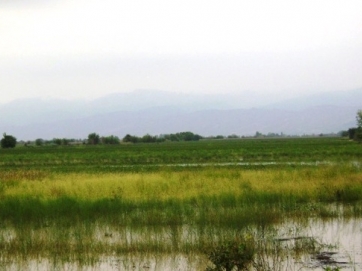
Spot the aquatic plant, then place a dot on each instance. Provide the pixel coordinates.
(232, 255)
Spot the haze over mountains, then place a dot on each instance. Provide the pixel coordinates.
(160, 112)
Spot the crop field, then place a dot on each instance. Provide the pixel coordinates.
(130, 157)
(94, 206)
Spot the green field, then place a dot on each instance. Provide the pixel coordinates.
(80, 203)
(130, 157)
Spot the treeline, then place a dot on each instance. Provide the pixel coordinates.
(96, 139)
(93, 139)
(183, 136)
(9, 141)
(54, 142)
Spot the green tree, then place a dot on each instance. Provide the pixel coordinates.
(187, 136)
(357, 132)
(352, 133)
(65, 141)
(233, 136)
(114, 140)
(39, 142)
(94, 139)
(359, 119)
(343, 133)
(8, 141)
(148, 138)
(57, 141)
(129, 138)
(174, 137)
(258, 134)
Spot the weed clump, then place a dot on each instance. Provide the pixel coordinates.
(233, 255)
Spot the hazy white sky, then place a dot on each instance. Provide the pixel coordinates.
(88, 48)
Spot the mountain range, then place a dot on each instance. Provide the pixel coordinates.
(160, 112)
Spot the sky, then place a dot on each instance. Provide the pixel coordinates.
(84, 49)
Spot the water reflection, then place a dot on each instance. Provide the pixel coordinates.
(345, 239)
(315, 245)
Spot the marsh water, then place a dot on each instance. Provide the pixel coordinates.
(314, 245)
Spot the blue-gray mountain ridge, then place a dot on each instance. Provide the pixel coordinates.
(160, 112)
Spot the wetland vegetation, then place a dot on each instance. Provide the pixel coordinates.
(179, 205)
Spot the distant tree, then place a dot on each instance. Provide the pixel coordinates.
(93, 139)
(110, 140)
(39, 142)
(8, 141)
(258, 134)
(57, 141)
(197, 137)
(187, 136)
(65, 141)
(352, 132)
(174, 137)
(273, 135)
(160, 139)
(184, 136)
(129, 138)
(359, 119)
(343, 133)
(356, 133)
(233, 136)
(148, 138)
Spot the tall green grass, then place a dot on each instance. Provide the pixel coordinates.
(209, 196)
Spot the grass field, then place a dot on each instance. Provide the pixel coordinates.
(214, 191)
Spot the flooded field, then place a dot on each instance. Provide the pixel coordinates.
(313, 245)
(214, 205)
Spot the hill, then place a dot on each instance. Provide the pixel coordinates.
(158, 112)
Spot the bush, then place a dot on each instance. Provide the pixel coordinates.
(8, 141)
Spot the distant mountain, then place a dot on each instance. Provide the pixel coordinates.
(38, 110)
(158, 112)
(337, 98)
(144, 99)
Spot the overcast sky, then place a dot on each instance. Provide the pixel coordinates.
(89, 48)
